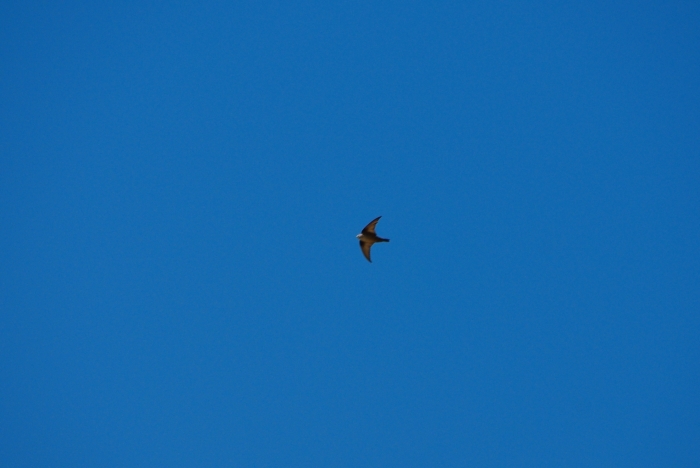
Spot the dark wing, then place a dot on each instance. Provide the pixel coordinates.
(365, 246)
(369, 229)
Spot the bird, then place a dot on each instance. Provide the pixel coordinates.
(368, 237)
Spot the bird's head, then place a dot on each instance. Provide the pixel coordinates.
(358, 236)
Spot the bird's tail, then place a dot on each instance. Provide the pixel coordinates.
(379, 239)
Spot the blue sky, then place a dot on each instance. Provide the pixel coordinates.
(180, 190)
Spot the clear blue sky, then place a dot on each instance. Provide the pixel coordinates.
(181, 186)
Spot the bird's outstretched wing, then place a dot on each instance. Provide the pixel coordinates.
(369, 229)
(365, 246)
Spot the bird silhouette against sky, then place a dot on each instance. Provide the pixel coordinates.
(368, 237)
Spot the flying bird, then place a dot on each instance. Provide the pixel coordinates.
(368, 237)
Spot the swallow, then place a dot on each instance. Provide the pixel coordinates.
(368, 237)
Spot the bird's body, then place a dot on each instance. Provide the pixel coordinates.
(368, 238)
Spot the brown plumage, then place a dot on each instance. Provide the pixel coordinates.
(369, 237)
